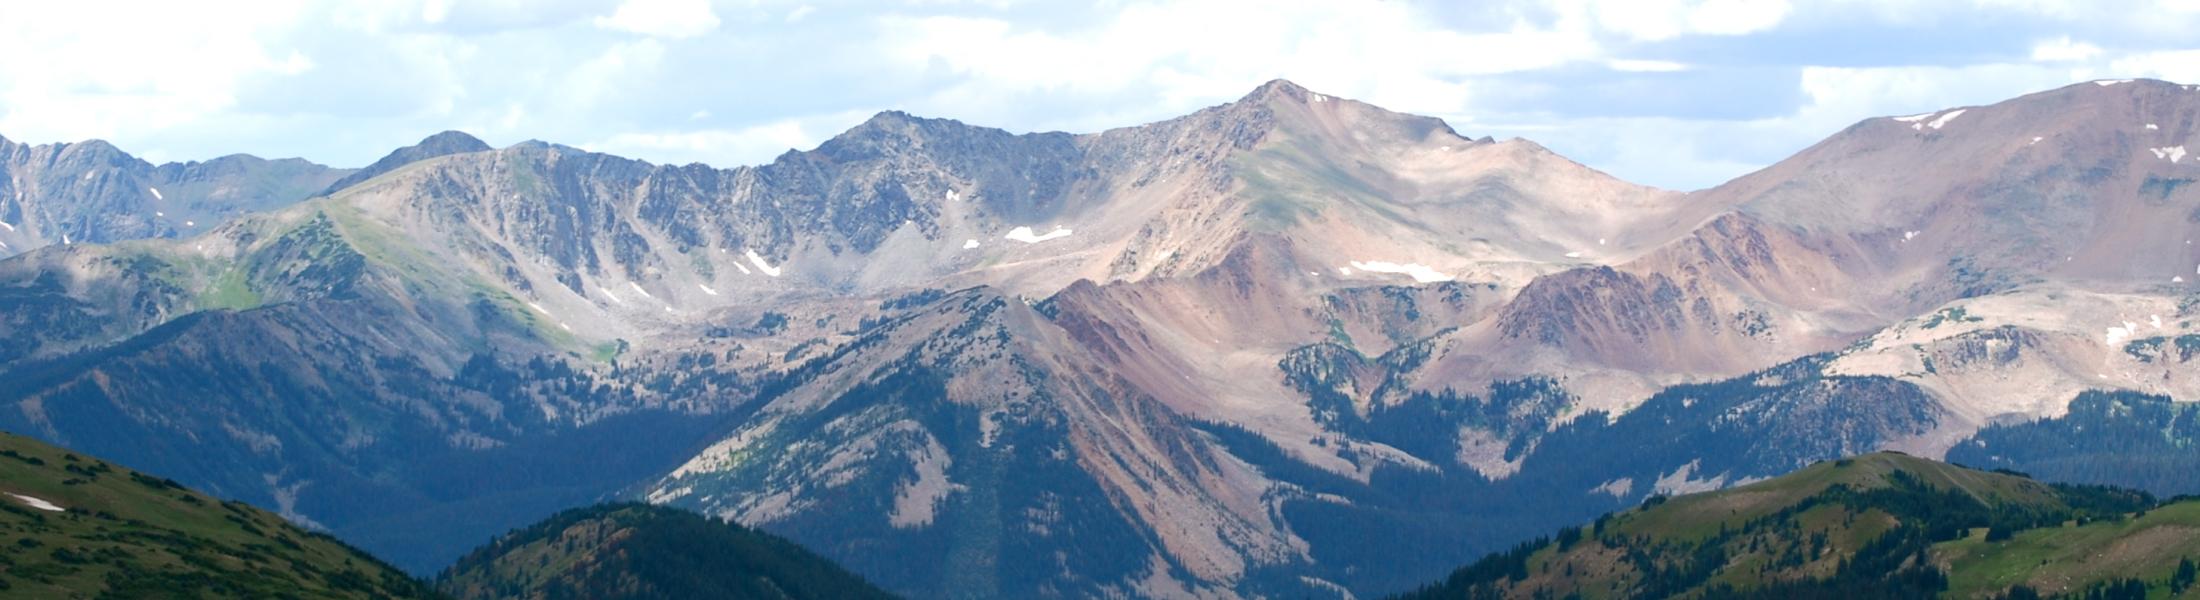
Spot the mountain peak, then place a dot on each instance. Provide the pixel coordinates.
(455, 141)
(1280, 90)
(441, 144)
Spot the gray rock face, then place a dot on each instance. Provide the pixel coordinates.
(93, 193)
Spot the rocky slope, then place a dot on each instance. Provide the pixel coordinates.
(93, 193)
(1211, 356)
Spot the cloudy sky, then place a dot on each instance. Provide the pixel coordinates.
(1676, 93)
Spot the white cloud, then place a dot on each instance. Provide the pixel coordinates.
(1645, 66)
(1655, 20)
(152, 66)
(728, 147)
(662, 18)
(2063, 49)
(2181, 66)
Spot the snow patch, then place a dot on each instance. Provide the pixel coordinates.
(1024, 234)
(2110, 82)
(744, 268)
(2171, 153)
(1944, 119)
(1419, 273)
(156, 193)
(537, 307)
(638, 289)
(1914, 118)
(1910, 235)
(5, 225)
(2117, 335)
(37, 503)
(2035, 140)
(969, 244)
(1683, 481)
(767, 268)
(1600, 241)
(607, 293)
(707, 290)
(2153, 127)
(953, 195)
(2177, 279)
(1573, 255)
(1345, 271)
(1617, 488)
(2155, 320)
(190, 224)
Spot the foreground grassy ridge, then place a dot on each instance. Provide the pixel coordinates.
(1881, 525)
(641, 551)
(124, 534)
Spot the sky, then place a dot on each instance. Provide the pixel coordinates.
(1681, 94)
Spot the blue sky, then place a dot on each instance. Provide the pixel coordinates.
(1676, 93)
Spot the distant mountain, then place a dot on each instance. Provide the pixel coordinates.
(1875, 526)
(621, 551)
(442, 144)
(94, 193)
(1290, 345)
(80, 527)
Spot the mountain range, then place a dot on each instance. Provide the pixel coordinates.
(1292, 345)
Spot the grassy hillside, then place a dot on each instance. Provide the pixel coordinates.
(1880, 525)
(73, 526)
(641, 551)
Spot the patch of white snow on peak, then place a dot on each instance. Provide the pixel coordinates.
(707, 290)
(638, 289)
(969, 244)
(1600, 241)
(190, 223)
(2117, 335)
(1573, 255)
(2153, 127)
(156, 193)
(1345, 271)
(5, 225)
(1025, 235)
(1319, 98)
(2177, 279)
(1944, 119)
(2171, 153)
(1417, 271)
(607, 293)
(2155, 320)
(537, 307)
(2035, 140)
(953, 195)
(1914, 118)
(1617, 488)
(65, 239)
(767, 268)
(37, 503)
(744, 268)
(2110, 82)
(159, 214)
(1910, 235)
(88, 175)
